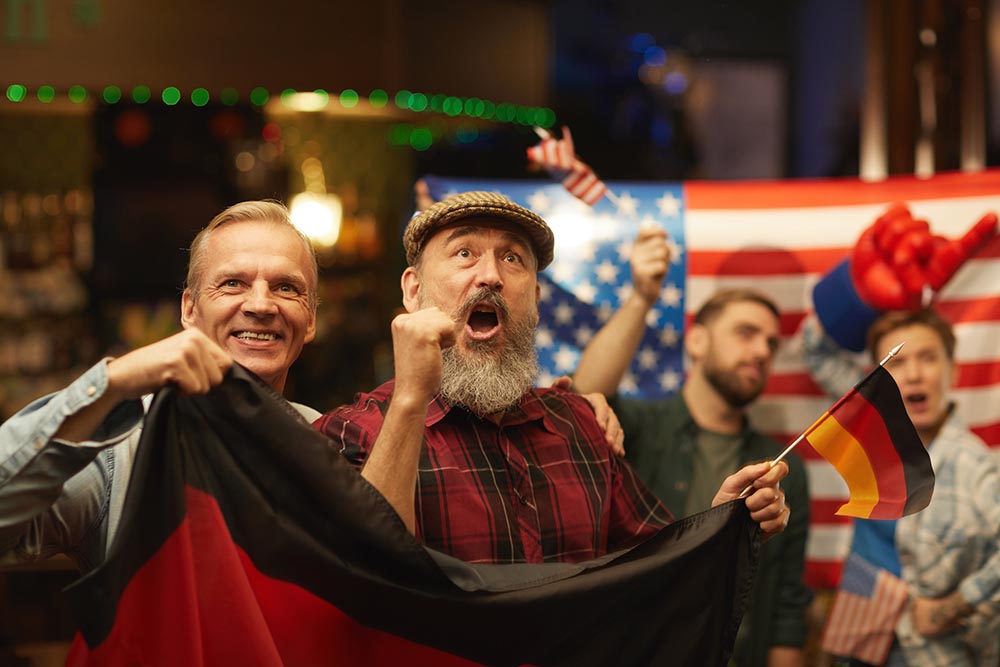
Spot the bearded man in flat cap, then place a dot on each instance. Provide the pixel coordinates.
(477, 462)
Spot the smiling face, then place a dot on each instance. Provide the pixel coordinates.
(253, 297)
(483, 274)
(924, 373)
(734, 350)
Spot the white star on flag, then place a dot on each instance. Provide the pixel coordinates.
(623, 292)
(604, 312)
(627, 205)
(669, 205)
(670, 380)
(607, 272)
(544, 290)
(676, 251)
(671, 296)
(539, 202)
(652, 317)
(543, 337)
(628, 384)
(563, 313)
(648, 358)
(585, 292)
(668, 335)
(545, 379)
(624, 251)
(565, 359)
(649, 221)
(583, 335)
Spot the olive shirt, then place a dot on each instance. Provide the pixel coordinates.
(660, 437)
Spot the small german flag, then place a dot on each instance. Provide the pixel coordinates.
(868, 437)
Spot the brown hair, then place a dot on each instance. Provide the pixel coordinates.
(718, 302)
(892, 320)
(267, 210)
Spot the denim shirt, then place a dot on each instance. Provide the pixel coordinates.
(62, 497)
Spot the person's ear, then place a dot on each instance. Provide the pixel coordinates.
(410, 283)
(187, 309)
(696, 341)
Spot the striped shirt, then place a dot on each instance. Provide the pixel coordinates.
(539, 485)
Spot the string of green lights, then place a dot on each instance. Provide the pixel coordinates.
(449, 105)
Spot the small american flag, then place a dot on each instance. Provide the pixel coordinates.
(868, 604)
(558, 157)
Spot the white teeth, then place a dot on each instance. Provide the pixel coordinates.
(250, 335)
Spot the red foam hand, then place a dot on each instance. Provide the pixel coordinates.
(948, 256)
(897, 257)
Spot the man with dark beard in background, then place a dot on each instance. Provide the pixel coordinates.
(477, 463)
(683, 446)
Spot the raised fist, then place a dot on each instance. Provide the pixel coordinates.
(898, 257)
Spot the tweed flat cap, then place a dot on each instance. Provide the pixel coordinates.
(480, 205)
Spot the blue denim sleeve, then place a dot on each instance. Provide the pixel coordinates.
(34, 466)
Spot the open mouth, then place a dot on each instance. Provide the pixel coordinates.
(483, 321)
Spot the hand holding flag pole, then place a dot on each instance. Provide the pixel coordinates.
(871, 442)
(558, 157)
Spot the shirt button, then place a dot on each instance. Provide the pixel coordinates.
(91, 391)
(38, 443)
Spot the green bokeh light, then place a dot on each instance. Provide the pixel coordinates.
(259, 96)
(16, 92)
(77, 94)
(418, 102)
(200, 97)
(548, 117)
(286, 96)
(170, 96)
(349, 98)
(403, 99)
(488, 110)
(141, 94)
(112, 94)
(229, 96)
(46, 94)
(452, 106)
(421, 139)
(437, 103)
(378, 98)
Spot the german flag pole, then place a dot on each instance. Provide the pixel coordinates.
(871, 442)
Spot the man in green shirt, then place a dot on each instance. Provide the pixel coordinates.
(682, 446)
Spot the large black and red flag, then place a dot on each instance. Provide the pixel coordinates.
(248, 540)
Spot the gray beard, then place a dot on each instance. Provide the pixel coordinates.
(491, 377)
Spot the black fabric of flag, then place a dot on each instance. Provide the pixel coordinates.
(247, 539)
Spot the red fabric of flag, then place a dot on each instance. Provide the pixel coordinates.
(871, 442)
(247, 539)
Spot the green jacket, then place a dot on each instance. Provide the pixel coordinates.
(659, 439)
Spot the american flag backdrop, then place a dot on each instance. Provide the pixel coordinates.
(779, 237)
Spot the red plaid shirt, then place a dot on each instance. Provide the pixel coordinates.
(541, 485)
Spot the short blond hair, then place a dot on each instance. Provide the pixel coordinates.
(266, 210)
